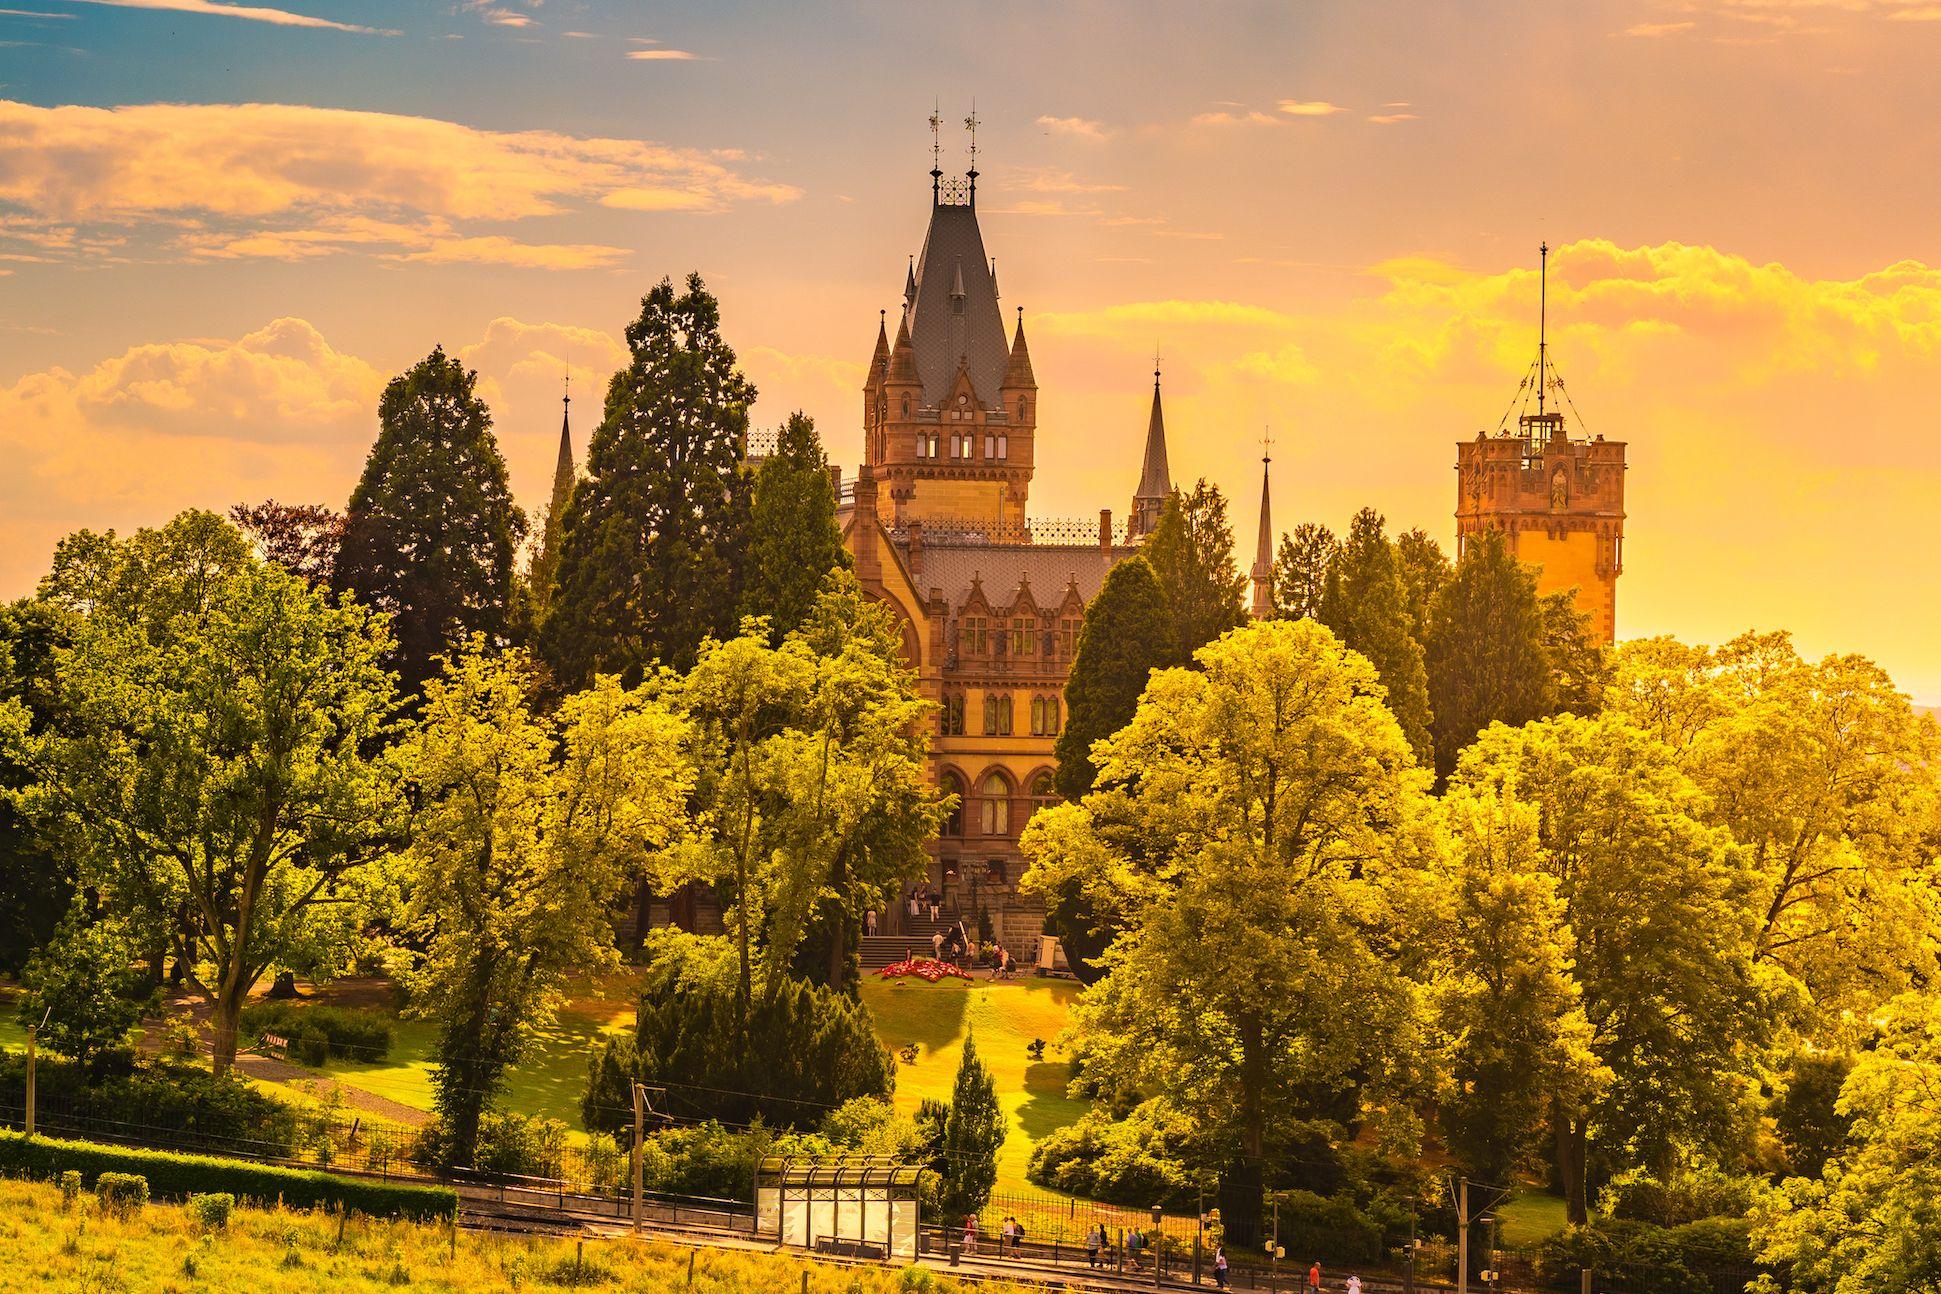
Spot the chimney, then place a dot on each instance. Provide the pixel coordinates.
(915, 555)
(1105, 529)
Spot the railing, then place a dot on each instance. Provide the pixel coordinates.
(1050, 532)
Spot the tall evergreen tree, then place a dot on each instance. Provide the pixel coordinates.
(973, 1132)
(651, 560)
(1191, 551)
(431, 528)
(1424, 571)
(1486, 658)
(1126, 635)
(793, 539)
(1366, 604)
(1301, 570)
(1580, 665)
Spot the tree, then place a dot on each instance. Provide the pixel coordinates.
(1191, 551)
(1424, 571)
(1659, 942)
(1257, 832)
(793, 539)
(1827, 776)
(431, 529)
(1126, 635)
(302, 538)
(211, 766)
(84, 984)
(651, 561)
(522, 842)
(37, 882)
(1485, 656)
(1580, 665)
(1301, 570)
(1868, 1221)
(1365, 602)
(973, 1133)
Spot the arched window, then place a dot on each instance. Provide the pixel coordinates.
(906, 408)
(1004, 716)
(996, 795)
(1037, 716)
(990, 714)
(1043, 791)
(954, 785)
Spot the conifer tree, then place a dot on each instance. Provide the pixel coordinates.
(431, 528)
(793, 539)
(1366, 604)
(1424, 571)
(1126, 635)
(1301, 570)
(1191, 551)
(1486, 657)
(973, 1132)
(651, 560)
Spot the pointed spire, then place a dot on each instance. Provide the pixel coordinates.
(1156, 479)
(994, 291)
(1263, 572)
(957, 279)
(1018, 374)
(903, 357)
(547, 559)
(879, 362)
(910, 284)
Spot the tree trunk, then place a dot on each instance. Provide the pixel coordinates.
(226, 1020)
(284, 987)
(1242, 1188)
(1571, 1134)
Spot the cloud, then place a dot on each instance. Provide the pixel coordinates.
(1654, 30)
(1394, 118)
(1074, 127)
(662, 55)
(252, 13)
(1047, 180)
(507, 18)
(34, 13)
(1310, 108)
(305, 180)
(1235, 117)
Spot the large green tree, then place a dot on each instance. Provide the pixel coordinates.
(1126, 635)
(37, 881)
(1660, 937)
(793, 539)
(526, 832)
(1301, 570)
(431, 529)
(211, 766)
(1485, 654)
(1365, 601)
(1191, 551)
(651, 560)
(973, 1134)
(1257, 832)
(1424, 571)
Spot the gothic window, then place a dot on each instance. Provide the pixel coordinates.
(990, 714)
(951, 784)
(1037, 716)
(1068, 637)
(1003, 444)
(1043, 791)
(1004, 716)
(906, 408)
(974, 635)
(990, 446)
(1020, 635)
(996, 805)
(950, 717)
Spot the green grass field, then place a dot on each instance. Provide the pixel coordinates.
(1531, 1216)
(1004, 1018)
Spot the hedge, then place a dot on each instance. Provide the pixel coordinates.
(177, 1176)
(344, 1032)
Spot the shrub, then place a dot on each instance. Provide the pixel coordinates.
(1641, 1258)
(348, 1034)
(188, 1102)
(211, 1212)
(122, 1195)
(1687, 1196)
(1138, 1160)
(1332, 1230)
(311, 1047)
(70, 1188)
(511, 1144)
(177, 1176)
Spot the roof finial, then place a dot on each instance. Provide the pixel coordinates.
(936, 150)
(970, 124)
(1543, 312)
(1155, 368)
(567, 396)
(1267, 444)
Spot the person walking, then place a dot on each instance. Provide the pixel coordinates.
(869, 922)
(970, 1233)
(1135, 1243)
(937, 944)
(1354, 1285)
(936, 901)
(1093, 1239)
(1220, 1267)
(1314, 1277)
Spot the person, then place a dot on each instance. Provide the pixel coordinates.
(913, 903)
(1134, 1244)
(1017, 1238)
(970, 1233)
(937, 944)
(1093, 1239)
(869, 922)
(936, 901)
(1220, 1267)
(1314, 1275)
(1354, 1285)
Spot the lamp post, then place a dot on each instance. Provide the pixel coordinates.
(1157, 1214)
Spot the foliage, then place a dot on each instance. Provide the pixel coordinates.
(650, 563)
(548, 829)
(1125, 636)
(1301, 569)
(122, 1195)
(973, 1131)
(212, 771)
(431, 529)
(348, 1032)
(1365, 602)
(793, 539)
(211, 1211)
(1315, 1228)
(1191, 552)
(1145, 1158)
(1659, 935)
(84, 984)
(1689, 1194)
(1869, 1221)
(1644, 1258)
(1806, 1112)
(37, 881)
(1580, 665)
(186, 1101)
(1424, 571)
(1484, 653)
(1257, 832)
(808, 1049)
(813, 800)
(177, 1176)
(507, 1142)
(302, 538)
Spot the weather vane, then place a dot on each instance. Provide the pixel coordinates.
(970, 124)
(1267, 444)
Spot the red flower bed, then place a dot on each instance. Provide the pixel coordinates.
(924, 968)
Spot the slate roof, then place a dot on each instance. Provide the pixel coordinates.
(953, 260)
(999, 567)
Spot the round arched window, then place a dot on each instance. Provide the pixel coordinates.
(996, 795)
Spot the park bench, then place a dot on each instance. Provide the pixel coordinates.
(276, 1044)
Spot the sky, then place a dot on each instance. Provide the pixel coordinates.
(224, 226)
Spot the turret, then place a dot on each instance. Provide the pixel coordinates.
(1263, 572)
(1155, 475)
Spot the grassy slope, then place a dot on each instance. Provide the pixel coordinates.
(270, 1251)
(1531, 1216)
(1004, 1018)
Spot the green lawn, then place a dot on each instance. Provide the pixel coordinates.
(1004, 1018)
(1531, 1216)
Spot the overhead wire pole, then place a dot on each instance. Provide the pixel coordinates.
(640, 1128)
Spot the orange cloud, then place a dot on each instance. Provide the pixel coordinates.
(251, 13)
(1074, 127)
(1310, 108)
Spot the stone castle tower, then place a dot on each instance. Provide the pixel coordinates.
(1559, 499)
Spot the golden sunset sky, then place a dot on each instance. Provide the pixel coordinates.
(224, 226)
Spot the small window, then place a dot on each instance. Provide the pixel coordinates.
(990, 714)
(1004, 717)
(1020, 636)
(1003, 446)
(906, 407)
(996, 797)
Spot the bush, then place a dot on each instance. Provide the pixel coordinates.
(211, 1212)
(1139, 1160)
(311, 1047)
(177, 1176)
(513, 1145)
(1691, 1194)
(70, 1188)
(186, 1101)
(1641, 1258)
(347, 1033)
(1333, 1231)
(122, 1195)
